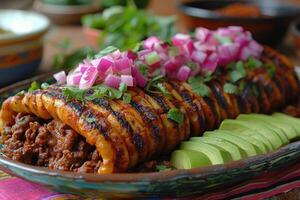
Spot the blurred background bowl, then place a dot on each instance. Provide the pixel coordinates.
(268, 28)
(21, 44)
(295, 29)
(66, 14)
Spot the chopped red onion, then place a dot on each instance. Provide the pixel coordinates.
(150, 42)
(198, 56)
(180, 39)
(60, 77)
(74, 79)
(112, 80)
(201, 34)
(183, 73)
(127, 79)
(88, 78)
(103, 65)
(139, 78)
(122, 66)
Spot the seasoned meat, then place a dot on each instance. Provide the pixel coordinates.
(49, 144)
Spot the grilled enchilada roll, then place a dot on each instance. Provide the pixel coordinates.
(121, 134)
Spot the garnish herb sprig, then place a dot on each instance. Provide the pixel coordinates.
(99, 91)
(155, 85)
(176, 115)
(199, 86)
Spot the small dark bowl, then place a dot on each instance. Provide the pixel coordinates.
(270, 28)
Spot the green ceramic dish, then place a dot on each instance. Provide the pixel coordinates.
(174, 183)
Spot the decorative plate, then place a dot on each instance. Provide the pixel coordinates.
(173, 183)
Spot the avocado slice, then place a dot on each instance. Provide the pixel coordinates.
(273, 137)
(261, 124)
(289, 131)
(289, 120)
(258, 145)
(258, 136)
(236, 152)
(187, 159)
(248, 148)
(215, 155)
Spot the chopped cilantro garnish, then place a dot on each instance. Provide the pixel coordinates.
(162, 168)
(241, 86)
(238, 72)
(235, 76)
(192, 65)
(223, 39)
(162, 89)
(176, 115)
(105, 51)
(230, 88)
(152, 58)
(270, 68)
(123, 87)
(143, 68)
(114, 94)
(155, 85)
(44, 85)
(253, 63)
(34, 86)
(198, 86)
(74, 93)
(173, 51)
(126, 97)
(99, 91)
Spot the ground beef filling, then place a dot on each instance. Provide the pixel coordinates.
(49, 144)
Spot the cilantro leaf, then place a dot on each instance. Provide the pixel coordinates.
(44, 85)
(143, 68)
(156, 84)
(270, 68)
(198, 86)
(34, 86)
(98, 92)
(240, 68)
(173, 51)
(230, 88)
(235, 76)
(162, 168)
(253, 63)
(192, 65)
(123, 87)
(105, 51)
(126, 97)
(223, 39)
(176, 115)
(114, 94)
(162, 89)
(74, 93)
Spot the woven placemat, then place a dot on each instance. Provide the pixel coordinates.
(3, 175)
